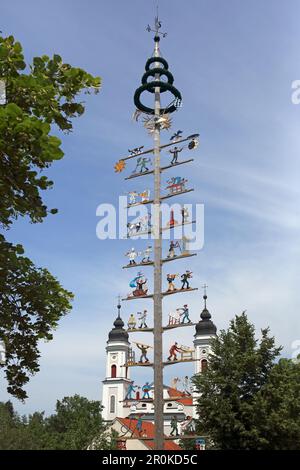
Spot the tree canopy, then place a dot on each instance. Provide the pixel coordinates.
(75, 425)
(247, 400)
(39, 97)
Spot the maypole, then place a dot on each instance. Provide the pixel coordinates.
(155, 119)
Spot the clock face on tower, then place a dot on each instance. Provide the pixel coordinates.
(113, 357)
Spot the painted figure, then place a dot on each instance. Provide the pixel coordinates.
(132, 255)
(173, 350)
(133, 229)
(132, 197)
(185, 279)
(139, 283)
(175, 153)
(138, 198)
(130, 391)
(143, 348)
(172, 222)
(176, 184)
(176, 136)
(145, 195)
(185, 215)
(171, 278)
(139, 424)
(142, 318)
(185, 314)
(141, 165)
(174, 317)
(147, 254)
(172, 248)
(186, 385)
(131, 322)
(174, 426)
(146, 389)
(185, 245)
(174, 382)
(136, 151)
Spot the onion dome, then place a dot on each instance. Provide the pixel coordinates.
(118, 333)
(205, 326)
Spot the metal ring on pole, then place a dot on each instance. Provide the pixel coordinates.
(159, 71)
(152, 60)
(150, 87)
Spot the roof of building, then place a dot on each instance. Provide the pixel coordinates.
(118, 333)
(184, 399)
(205, 326)
(147, 431)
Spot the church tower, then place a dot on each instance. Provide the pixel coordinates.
(117, 376)
(205, 331)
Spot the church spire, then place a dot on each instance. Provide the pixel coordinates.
(118, 333)
(205, 326)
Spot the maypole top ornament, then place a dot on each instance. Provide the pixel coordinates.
(160, 68)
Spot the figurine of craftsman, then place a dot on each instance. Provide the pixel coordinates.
(131, 322)
(141, 164)
(186, 385)
(170, 279)
(146, 389)
(175, 153)
(185, 279)
(142, 318)
(147, 254)
(132, 255)
(174, 426)
(172, 247)
(173, 350)
(185, 314)
(143, 348)
(132, 197)
(185, 215)
(139, 424)
(130, 391)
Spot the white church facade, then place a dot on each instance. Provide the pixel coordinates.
(180, 404)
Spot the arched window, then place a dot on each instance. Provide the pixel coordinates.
(204, 365)
(113, 371)
(112, 404)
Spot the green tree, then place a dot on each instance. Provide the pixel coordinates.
(239, 370)
(40, 96)
(76, 425)
(277, 407)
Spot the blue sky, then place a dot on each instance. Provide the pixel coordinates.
(234, 63)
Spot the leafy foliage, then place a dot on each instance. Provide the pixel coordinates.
(39, 96)
(44, 96)
(76, 425)
(31, 302)
(247, 401)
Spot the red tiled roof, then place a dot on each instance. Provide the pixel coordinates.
(147, 431)
(184, 398)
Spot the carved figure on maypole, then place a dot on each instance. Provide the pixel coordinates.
(173, 350)
(174, 152)
(139, 282)
(142, 319)
(146, 389)
(171, 278)
(131, 322)
(185, 279)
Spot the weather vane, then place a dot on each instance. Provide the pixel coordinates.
(157, 27)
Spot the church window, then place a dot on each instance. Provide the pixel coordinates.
(113, 371)
(204, 365)
(112, 404)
